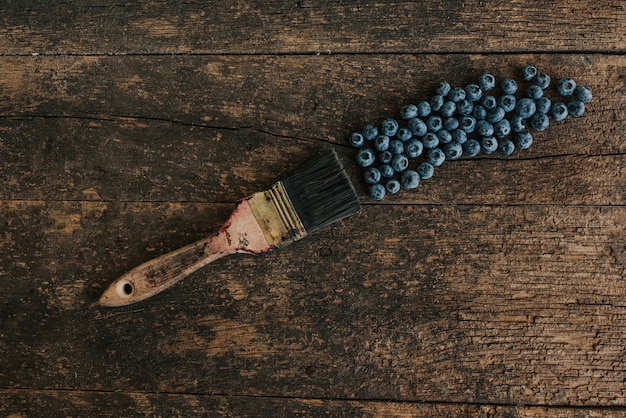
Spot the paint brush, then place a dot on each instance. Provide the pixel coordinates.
(315, 195)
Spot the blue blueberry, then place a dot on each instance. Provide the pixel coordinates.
(583, 94)
(534, 92)
(408, 111)
(425, 170)
(473, 92)
(377, 192)
(430, 140)
(506, 147)
(385, 157)
(448, 109)
(370, 132)
(450, 124)
(543, 105)
(484, 128)
(488, 144)
(495, 115)
(566, 86)
(526, 107)
(404, 134)
(386, 171)
(436, 102)
(434, 123)
(443, 88)
(459, 136)
(471, 148)
(389, 127)
(507, 102)
(467, 124)
(542, 80)
(453, 150)
(517, 123)
(558, 111)
(539, 122)
(413, 148)
(357, 140)
(423, 108)
(489, 102)
(576, 108)
(464, 107)
(400, 163)
(523, 140)
(396, 146)
(435, 156)
(486, 82)
(392, 186)
(502, 129)
(508, 86)
(418, 127)
(381, 143)
(456, 94)
(528, 72)
(479, 112)
(365, 157)
(372, 175)
(410, 179)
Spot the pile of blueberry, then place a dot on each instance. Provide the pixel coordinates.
(461, 121)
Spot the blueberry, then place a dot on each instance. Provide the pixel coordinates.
(443, 88)
(413, 148)
(365, 157)
(539, 122)
(459, 135)
(508, 86)
(418, 127)
(392, 186)
(400, 163)
(543, 105)
(434, 123)
(576, 108)
(444, 136)
(381, 143)
(484, 128)
(583, 94)
(370, 132)
(506, 147)
(486, 82)
(479, 112)
(404, 134)
(430, 140)
(558, 111)
(489, 102)
(471, 148)
(495, 115)
(436, 102)
(534, 92)
(450, 124)
(396, 146)
(566, 86)
(357, 140)
(523, 140)
(456, 94)
(464, 107)
(423, 108)
(385, 157)
(528, 72)
(507, 102)
(467, 124)
(425, 170)
(448, 109)
(408, 111)
(542, 80)
(488, 144)
(453, 151)
(389, 127)
(502, 129)
(386, 171)
(526, 107)
(517, 123)
(473, 92)
(435, 156)
(410, 179)
(377, 192)
(372, 175)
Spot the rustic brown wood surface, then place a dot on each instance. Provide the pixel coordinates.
(127, 130)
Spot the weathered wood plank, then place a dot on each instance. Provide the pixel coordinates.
(472, 304)
(165, 128)
(107, 27)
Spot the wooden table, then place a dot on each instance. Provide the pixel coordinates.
(128, 129)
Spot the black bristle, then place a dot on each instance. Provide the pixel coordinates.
(321, 192)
